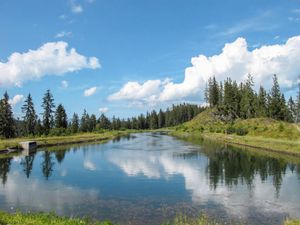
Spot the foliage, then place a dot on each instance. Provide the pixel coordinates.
(7, 123)
(241, 101)
(30, 117)
(48, 106)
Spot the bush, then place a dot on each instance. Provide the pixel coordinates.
(281, 127)
(230, 130)
(241, 131)
(57, 132)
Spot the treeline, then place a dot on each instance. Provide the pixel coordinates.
(54, 120)
(235, 100)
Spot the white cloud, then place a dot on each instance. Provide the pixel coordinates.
(136, 91)
(52, 58)
(235, 61)
(16, 99)
(76, 8)
(63, 34)
(64, 84)
(90, 91)
(87, 164)
(103, 110)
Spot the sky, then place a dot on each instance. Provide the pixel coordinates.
(127, 57)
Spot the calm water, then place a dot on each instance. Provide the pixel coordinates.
(149, 178)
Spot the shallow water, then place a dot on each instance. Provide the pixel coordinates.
(150, 178)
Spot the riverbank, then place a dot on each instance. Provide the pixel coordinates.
(260, 133)
(291, 147)
(46, 218)
(48, 141)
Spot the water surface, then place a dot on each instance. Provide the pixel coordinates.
(149, 178)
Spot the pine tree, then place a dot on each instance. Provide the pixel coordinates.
(75, 123)
(161, 119)
(84, 122)
(61, 120)
(30, 116)
(292, 110)
(92, 123)
(7, 123)
(247, 106)
(275, 100)
(48, 106)
(104, 122)
(262, 102)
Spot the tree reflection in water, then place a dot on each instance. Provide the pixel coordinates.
(4, 169)
(27, 163)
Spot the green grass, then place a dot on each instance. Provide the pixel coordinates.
(42, 219)
(19, 218)
(59, 140)
(262, 133)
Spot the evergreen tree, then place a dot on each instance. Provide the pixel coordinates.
(104, 122)
(213, 92)
(275, 100)
(292, 110)
(262, 103)
(7, 123)
(161, 119)
(61, 120)
(92, 123)
(30, 116)
(75, 123)
(84, 122)
(247, 104)
(48, 106)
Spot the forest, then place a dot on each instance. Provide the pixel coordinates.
(232, 100)
(54, 120)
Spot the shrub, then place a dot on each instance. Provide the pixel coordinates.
(281, 127)
(241, 131)
(230, 130)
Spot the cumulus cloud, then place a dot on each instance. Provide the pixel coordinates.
(146, 91)
(52, 58)
(64, 84)
(16, 99)
(90, 91)
(63, 34)
(103, 110)
(235, 61)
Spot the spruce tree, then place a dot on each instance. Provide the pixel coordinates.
(7, 123)
(61, 120)
(262, 102)
(275, 100)
(30, 116)
(48, 106)
(104, 122)
(247, 106)
(75, 123)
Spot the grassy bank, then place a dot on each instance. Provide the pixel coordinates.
(46, 218)
(61, 140)
(42, 219)
(261, 133)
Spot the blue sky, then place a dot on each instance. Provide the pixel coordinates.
(142, 49)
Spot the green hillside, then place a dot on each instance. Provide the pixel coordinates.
(263, 133)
